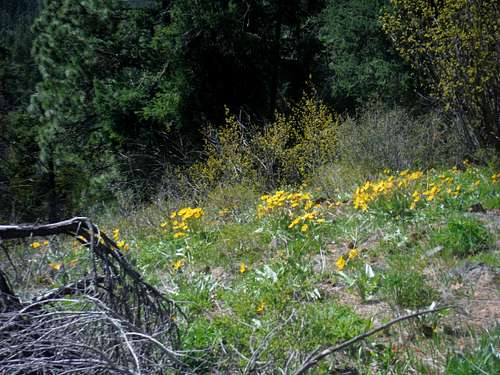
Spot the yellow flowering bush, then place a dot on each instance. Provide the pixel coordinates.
(293, 146)
(454, 46)
(284, 151)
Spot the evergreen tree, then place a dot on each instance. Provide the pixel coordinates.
(359, 62)
(249, 55)
(94, 59)
(21, 195)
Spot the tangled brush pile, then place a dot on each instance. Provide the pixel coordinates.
(108, 322)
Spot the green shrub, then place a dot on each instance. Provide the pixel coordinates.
(462, 237)
(406, 286)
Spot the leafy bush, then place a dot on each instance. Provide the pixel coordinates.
(454, 47)
(228, 158)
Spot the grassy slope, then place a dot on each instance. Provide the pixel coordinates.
(256, 291)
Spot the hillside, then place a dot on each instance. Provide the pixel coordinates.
(262, 281)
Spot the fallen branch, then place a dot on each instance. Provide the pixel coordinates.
(111, 316)
(71, 226)
(314, 357)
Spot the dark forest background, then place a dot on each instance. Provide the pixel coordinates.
(99, 97)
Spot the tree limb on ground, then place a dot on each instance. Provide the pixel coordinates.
(315, 357)
(85, 325)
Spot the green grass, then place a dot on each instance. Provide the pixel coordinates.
(462, 237)
(481, 359)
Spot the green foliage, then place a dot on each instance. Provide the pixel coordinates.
(20, 177)
(454, 46)
(360, 63)
(98, 72)
(246, 55)
(23, 181)
(462, 237)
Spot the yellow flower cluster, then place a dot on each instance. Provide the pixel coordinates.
(122, 245)
(180, 220)
(495, 177)
(36, 244)
(283, 199)
(371, 191)
(411, 186)
(443, 186)
(311, 216)
(342, 262)
(300, 207)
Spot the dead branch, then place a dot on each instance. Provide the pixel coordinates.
(110, 321)
(316, 356)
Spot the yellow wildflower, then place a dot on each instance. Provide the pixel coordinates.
(45, 243)
(55, 266)
(243, 267)
(304, 228)
(309, 205)
(178, 264)
(35, 245)
(120, 244)
(353, 253)
(340, 263)
(261, 308)
(180, 234)
(116, 234)
(295, 222)
(431, 193)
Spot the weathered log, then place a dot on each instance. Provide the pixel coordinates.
(74, 226)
